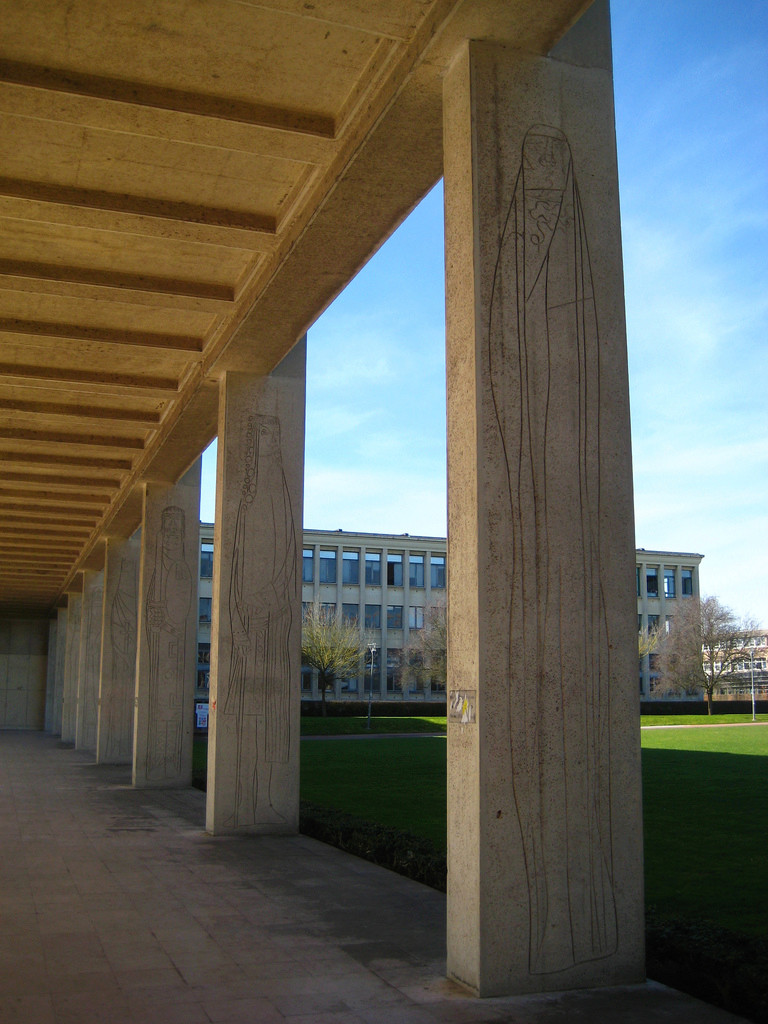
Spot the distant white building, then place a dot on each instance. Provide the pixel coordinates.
(751, 671)
(387, 582)
(664, 580)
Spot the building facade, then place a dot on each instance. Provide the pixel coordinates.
(390, 582)
(663, 580)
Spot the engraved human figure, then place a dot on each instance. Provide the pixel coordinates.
(168, 603)
(89, 709)
(544, 364)
(122, 631)
(262, 588)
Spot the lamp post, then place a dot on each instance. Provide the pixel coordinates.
(372, 649)
(752, 675)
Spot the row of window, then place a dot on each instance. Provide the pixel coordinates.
(653, 623)
(670, 585)
(372, 616)
(350, 568)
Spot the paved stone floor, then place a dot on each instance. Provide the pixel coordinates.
(116, 908)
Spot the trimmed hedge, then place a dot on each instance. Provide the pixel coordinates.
(716, 965)
(388, 708)
(390, 848)
(699, 707)
(708, 962)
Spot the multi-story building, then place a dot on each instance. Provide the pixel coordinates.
(664, 580)
(386, 582)
(390, 582)
(750, 672)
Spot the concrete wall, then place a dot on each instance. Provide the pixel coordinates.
(23, 669)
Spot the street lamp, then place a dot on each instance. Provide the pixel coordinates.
(372, 649)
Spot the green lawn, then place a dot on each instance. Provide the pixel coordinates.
(351, 726)
(398, 782)
(698, 719)
(705, 809)
(705, 797)
(706, 825)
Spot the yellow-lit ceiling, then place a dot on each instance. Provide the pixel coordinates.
(184, 186)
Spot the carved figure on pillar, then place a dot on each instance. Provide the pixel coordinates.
(544, 363)
(122, 631)
(262, 588)
(168, 603)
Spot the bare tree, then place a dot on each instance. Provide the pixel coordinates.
(332, 646)
(425, 657)
(705, 642)
(648, 641)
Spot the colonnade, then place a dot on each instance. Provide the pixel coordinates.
(544, 848)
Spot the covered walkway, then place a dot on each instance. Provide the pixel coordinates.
(116, 907)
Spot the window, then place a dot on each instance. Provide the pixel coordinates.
(305, 606)
(394, 666)
(306, 678)
(349, 613)
(373, 616)
(637, 579)
(328, 608)
(639, 623)
(652, 582)
(308, 565)
(205, 609)
(394, 616)
(416, 570)
(669, 583)
(206, 560)
(415, 617)
(327, 566)
(437, 572)
(668, 623)
(203, 665)
(373, 569)
(350, 567)
(653, 623)
(394, 570)
(686, 582)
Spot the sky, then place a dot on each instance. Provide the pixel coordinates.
(691, 88)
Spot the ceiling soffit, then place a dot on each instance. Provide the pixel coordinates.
(184, 185)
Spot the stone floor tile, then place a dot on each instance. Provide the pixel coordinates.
(31, 1008)
(120, 910)
(316, 1003)
(256, 1010)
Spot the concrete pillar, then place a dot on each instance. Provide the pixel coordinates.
(50, 676)
(253, 730)
(58, 681)
(166, 661)
(117, 687)
(71, 668)
(545, 873)
(90, 661)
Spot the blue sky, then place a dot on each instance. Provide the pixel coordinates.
(691, 85)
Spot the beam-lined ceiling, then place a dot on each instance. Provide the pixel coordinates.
(184, 185)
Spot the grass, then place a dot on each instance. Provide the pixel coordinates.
(646, 720)
(705, 804)
(397, 782)
(705, 813)
(705, 808)
(359, 726)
